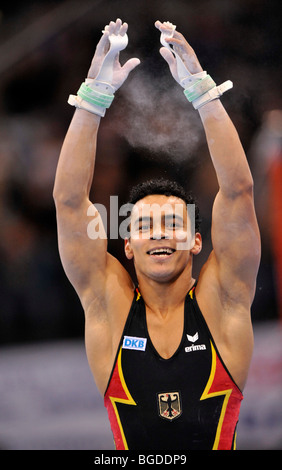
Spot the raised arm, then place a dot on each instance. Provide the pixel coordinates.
(235, 235)
(86, 260)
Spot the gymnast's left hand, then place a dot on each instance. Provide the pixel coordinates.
(182, 48)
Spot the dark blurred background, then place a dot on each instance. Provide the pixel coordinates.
(45, 51)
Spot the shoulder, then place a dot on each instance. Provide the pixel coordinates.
(107, 294)
(222, 297)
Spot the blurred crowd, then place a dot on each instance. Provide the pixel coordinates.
(46, 51)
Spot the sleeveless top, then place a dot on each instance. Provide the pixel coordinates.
(186, 402)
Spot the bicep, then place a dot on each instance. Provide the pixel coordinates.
(83, 256)
(236, 240)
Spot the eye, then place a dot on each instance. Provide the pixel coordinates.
(144, 226)
(170, 224)
(173, 224)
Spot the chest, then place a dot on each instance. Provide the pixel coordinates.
(165, 332)
(175, 354)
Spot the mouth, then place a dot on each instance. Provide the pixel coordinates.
(161, 252)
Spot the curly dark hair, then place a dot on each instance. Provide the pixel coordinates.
(167, 188)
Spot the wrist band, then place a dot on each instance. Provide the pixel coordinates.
(89, 98)
(204, 90)
(93, 96)
(78, 102)
(212, 94)
(199, 88)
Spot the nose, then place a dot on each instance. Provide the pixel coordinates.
(159, 236)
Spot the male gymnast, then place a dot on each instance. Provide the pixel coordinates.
(171, 356)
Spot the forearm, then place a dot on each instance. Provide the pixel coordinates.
(77, 159)
(228, 156)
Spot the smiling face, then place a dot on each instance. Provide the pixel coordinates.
(162, 239)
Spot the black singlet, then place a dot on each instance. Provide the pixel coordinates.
(187, 402)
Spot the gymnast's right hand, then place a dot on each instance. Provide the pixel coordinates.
(118, 74)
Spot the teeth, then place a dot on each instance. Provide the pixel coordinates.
(168, 251)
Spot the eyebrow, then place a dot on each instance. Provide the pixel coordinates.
(174, 216)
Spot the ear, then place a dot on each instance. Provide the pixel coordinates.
(197, 248)
(127, 248)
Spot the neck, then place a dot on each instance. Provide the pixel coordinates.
(164, 297)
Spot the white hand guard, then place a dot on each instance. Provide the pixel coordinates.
(185, 77)
(199, 88)
(97, 94)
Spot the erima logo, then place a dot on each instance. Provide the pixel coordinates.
(133, 342)
(194, 347)
(194, 338)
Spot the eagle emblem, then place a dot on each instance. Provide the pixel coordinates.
(169, 404)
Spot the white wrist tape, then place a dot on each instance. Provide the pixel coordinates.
(78, 102)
